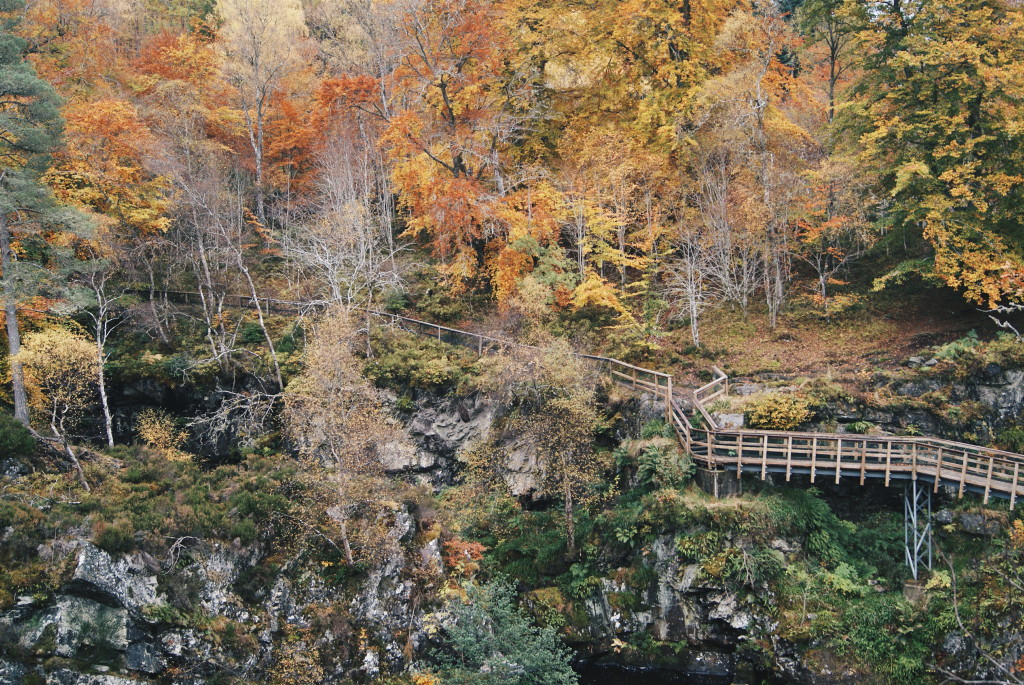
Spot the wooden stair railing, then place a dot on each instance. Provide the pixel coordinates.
(966, 467)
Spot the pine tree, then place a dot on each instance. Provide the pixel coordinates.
(30, 128)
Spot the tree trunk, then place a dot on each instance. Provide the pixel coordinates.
(570, 523)
(343, 526)
(102, 378)
(263, 324)
(13, 333)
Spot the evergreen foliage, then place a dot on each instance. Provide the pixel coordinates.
(492, 642)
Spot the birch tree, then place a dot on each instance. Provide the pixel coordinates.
(259, 39)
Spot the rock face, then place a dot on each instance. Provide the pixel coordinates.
(974, 408)
(111, 621)
(440, 427)
(674, 608)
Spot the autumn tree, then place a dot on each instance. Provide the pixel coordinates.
(60, 370)
(103, 167)
(834, 230)
(103, 307)
(345, 239)
(260, 41)
(335, 418)
(832, 27)
(447, 142)
(762, 139)
(689, 281)
(938, 116)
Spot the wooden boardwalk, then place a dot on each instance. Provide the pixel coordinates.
(826, 456)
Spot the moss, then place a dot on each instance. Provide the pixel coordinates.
(624, 602)
(47, 642)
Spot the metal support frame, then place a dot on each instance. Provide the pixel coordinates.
(917, 527)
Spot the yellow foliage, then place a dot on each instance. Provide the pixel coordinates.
(60, 374)
(777, 411)
(158, 430)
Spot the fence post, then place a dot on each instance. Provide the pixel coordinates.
(668, 400)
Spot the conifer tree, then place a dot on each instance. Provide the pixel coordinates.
(30, 128)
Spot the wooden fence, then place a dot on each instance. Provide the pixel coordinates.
(966, 467)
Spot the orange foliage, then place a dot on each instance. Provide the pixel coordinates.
(463, 557)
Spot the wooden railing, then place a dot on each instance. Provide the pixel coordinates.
(966, 467)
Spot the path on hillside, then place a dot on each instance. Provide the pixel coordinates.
(832, 456)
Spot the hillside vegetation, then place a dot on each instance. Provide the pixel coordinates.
(823, 198)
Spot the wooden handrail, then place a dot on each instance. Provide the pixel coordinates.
(983, 469)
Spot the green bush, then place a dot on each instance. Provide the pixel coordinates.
(251, 334)
(410, 361)
(115, 538)
(15, 440)
(777, 411)
(1011, 439)
(860, 427)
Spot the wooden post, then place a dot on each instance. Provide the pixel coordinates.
(1013, 491)
(668, 399)
(963, 473)
(913, 461)
(839, 458)
(438, 334)
(863, 460)
(988, 479)
(938, 470)
(814, 457)
(888, 461)
(789, 456)
(480, 345)
(764, 457)
(739, 456)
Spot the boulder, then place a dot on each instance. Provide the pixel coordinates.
(124, 581)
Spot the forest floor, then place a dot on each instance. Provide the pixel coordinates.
(880, 335)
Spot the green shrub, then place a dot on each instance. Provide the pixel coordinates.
(1011, 439)
(408, 361)
(15, 440)
(956, 348)
(777, 411)
(860, 427)
(115, 538)
(251, 334)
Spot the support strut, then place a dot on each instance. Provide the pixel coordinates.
(917, 527)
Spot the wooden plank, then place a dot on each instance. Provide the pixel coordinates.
(789, 456)
(988, 479)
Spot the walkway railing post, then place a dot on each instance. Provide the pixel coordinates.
(668, 401)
